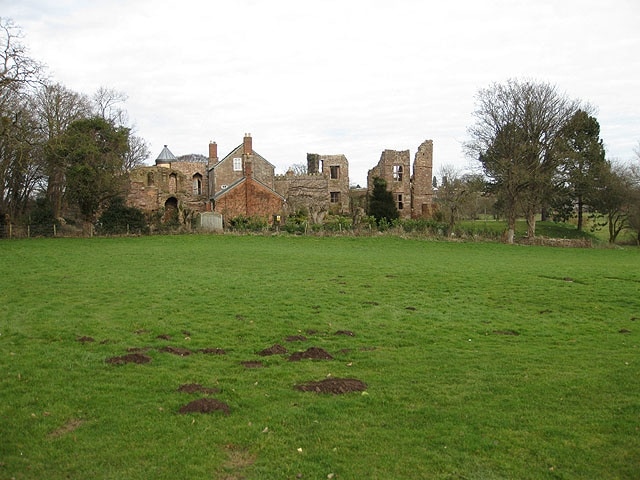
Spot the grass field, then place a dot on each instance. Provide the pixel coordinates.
(481, 360)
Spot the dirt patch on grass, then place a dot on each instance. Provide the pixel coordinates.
(212, 351)
(85, 339)
(138, 349)
(164, 336)
(347, 333)
(182, 352)
(313, 353)
(238, 459)
(296, 338)
(624, 330)
(334, 386)
(68, 427)
(129, 358)
(197, 388)
(205, 405)
(273, 350)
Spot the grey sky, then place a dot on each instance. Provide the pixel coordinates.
(335, 76)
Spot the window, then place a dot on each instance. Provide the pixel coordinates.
(150, 179)
(397, 173)
(334, 172)
(237, 164)
(197, 184)
(400, 202)
(335, 197)
(173, 183)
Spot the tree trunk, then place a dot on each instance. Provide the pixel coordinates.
(531, 224)
(511, 230)
(580, 206)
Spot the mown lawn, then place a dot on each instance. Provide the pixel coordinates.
(482, 361)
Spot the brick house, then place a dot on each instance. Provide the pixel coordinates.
(241, 184)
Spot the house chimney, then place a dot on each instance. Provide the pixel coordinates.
(213, 151)
(248, 166)
(247, 144)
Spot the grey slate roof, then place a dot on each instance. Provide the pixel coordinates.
(166, 155)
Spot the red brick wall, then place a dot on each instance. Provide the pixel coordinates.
(251, 200)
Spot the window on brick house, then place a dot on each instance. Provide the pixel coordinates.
(397, 173)
(399, 201)
(237, 164)
(335, 197)
(334, 172)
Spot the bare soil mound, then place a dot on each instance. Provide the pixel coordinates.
(129, 358)
(273, 350)
(335, 386)
(348, 333)
(196, 388)
(205, 405)
(213, 351)
(182, 352)
(314, 353)
(164, 336)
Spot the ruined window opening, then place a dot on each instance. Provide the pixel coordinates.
(197, 184)
(334, 172)
(150, 179)
(173, 183)
(400, 202)
(237, 164)
(397, 173)
(335, 197)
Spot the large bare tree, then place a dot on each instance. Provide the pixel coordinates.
(516, 126)
(19, 74)
(55, 108)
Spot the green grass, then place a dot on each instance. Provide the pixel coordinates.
(450, 394)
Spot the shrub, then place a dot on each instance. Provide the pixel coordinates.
(119, 219)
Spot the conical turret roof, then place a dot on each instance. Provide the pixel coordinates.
(166, 156)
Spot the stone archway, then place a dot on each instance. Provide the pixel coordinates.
(170, 210)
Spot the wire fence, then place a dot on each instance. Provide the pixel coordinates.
(36, 230)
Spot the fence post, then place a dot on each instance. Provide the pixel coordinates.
(28, 231)
(54, 229)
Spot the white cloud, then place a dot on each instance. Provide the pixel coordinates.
(334, 76)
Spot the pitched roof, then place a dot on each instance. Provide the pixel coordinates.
(237, 152)
(222, 193)
(166, 155)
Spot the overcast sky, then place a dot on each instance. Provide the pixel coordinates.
(335, 76)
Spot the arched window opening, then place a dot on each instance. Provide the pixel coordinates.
(197, 184)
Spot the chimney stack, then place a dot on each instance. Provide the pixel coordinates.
(213, 151)
(248, 167)
(247, 144)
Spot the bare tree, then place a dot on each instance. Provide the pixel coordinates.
(107, 103)
(137, 153)
(55, 108)
(513, 136)
(19, 173)
(17, 70)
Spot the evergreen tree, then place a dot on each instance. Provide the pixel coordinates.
(381, 202)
